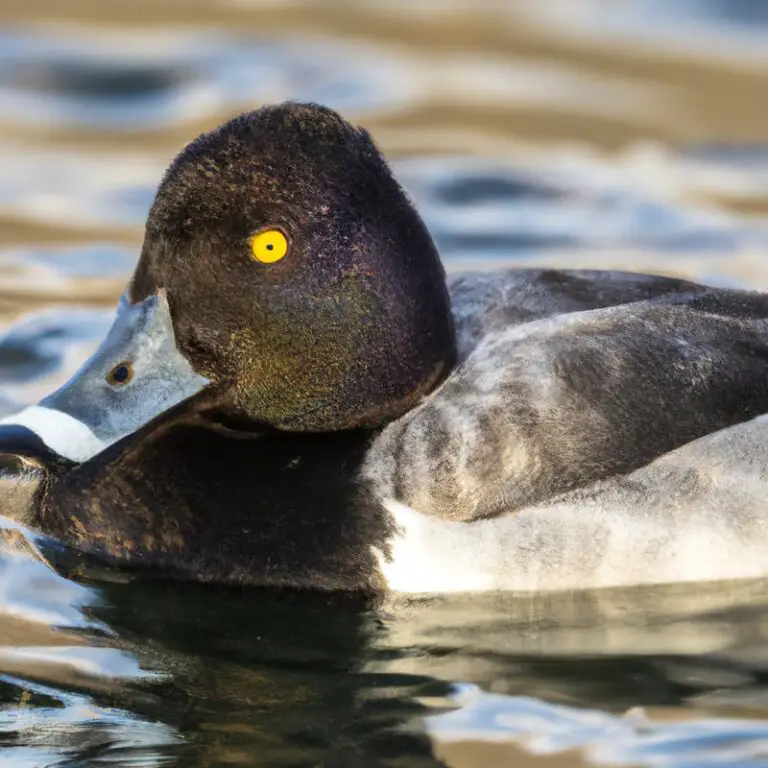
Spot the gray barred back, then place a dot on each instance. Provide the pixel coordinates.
(551, 394)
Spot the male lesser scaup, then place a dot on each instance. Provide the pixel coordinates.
(292, 395)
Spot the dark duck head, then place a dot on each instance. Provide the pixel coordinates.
(284, 275)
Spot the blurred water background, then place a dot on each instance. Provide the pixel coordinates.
(586, 133)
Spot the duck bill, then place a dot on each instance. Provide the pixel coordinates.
(136, 374)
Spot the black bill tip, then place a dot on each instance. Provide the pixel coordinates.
(20, 444)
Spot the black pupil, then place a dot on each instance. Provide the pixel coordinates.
(270, 246)
(121, 374)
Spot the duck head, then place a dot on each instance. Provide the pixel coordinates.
(284, 275)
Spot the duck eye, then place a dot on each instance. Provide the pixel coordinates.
(122, 373)
(269, 246)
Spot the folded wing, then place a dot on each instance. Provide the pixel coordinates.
(540, 408)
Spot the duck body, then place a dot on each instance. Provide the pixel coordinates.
(579, 498)
(293, 395)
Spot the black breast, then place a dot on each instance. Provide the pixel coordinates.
(201, 502)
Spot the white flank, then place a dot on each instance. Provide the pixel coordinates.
(566, 546)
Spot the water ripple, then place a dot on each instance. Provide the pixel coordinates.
(47, 727)
(77, 189)
(480, 206)
(735, 30)
(545, 729)
(109, 81)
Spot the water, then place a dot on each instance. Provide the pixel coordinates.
(581, 133)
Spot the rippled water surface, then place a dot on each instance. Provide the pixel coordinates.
(566, 132)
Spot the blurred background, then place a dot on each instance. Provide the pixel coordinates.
(585, 133)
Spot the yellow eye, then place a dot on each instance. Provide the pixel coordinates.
(269, 246)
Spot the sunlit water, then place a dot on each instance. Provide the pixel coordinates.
(569, 132)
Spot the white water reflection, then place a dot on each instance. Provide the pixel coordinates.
(78, 189)
(503, 206)
(32, 591)
(632, 739)
(49, 727)
(733, 30)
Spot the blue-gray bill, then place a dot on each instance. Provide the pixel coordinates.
(136, 374)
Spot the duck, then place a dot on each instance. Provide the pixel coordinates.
(295, 395)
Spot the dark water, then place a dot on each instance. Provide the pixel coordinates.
(568, 132)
